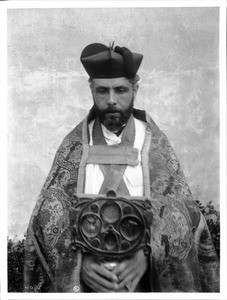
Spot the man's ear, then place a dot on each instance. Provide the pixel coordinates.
(135, 89)
(91, 85)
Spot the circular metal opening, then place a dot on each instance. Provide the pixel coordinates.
(110, 212)
(90, 225)
(131, 228)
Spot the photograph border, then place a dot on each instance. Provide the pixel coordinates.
(4, 6)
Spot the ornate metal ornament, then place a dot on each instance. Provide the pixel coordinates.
(110, 226)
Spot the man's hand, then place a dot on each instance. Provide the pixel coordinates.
(97, 277)
(130, 271)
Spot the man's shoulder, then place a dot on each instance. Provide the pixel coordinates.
(76, 134)
(72, 140)
(143, 116)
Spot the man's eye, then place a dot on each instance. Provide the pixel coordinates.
(102, 91)
(121, 90)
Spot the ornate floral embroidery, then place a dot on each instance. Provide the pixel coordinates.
(176, 277)
(182, 254)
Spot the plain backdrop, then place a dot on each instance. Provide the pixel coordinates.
(48, 92)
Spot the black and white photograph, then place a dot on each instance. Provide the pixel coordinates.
(114, 163)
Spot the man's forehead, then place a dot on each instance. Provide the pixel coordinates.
(111, 82)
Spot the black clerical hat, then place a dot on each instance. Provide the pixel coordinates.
(101, 61)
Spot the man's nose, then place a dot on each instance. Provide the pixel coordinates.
(112, 100)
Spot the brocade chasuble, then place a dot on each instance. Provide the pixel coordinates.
(182, 257)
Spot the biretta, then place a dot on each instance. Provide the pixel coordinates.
(101, 61)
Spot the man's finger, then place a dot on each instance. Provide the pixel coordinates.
(98, 283)
(134, 284)
(127, 281)
(107, 274)
(126, 272)
(125, 269)
(120, 268)
(96, 287)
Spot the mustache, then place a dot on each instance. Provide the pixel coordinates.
(111, 110)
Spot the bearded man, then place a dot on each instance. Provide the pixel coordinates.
(116, 213)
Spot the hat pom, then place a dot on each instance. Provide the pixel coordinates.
(128, 60)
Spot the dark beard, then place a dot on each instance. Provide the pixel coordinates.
(112, 118)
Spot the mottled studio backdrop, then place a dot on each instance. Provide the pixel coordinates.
(49, 94)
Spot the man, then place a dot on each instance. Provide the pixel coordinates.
(115, 213)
